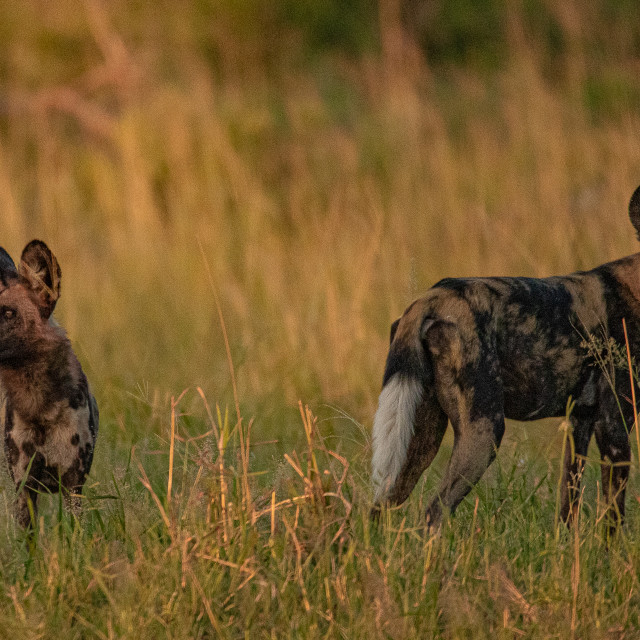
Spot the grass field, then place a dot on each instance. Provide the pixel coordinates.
(242, 198)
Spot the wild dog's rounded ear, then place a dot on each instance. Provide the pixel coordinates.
(427, 323)
(40, 269)
(8, 269)
(634, 211)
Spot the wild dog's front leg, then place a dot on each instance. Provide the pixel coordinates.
(19, 464)
(22, 511)
(72, 483)
(615, 453)
(73, 503)
(470, 392)
(576, 447)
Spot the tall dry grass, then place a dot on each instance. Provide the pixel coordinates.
(324, 200)
(194, 548)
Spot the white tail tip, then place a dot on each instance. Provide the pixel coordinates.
(392, 431)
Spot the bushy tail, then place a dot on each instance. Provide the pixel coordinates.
(393, 430)
(405, 377)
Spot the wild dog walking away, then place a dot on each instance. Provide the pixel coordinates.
(48, 415)
(473, 351)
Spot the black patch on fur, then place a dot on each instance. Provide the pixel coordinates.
(8, 271)
(86, 456)
(43, 475)
(75, 438)
(28, 448)
(93, 418)
(404, 360)
(40, 432)
(394, 328)
(74, 477)
(8, 426)
(80, 395)
(11, 451)
(634, 210)
(77, 399)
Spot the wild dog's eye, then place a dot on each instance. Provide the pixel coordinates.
(8, 313)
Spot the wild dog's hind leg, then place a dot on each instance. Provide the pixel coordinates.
(430, 426)
(470, 392)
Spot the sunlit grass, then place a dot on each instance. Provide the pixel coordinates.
(220, 552)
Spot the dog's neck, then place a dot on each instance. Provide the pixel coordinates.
(627, 271)
(37, 385)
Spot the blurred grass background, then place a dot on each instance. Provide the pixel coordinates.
(318, 164)
(332, 159)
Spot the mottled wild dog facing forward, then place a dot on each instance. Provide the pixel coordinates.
(473, 351)
(48, 415)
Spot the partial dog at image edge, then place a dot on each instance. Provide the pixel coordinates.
(473, 351)
(47, 413)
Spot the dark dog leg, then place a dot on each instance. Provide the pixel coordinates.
(23, 516)
(73, 502)
(474, 449)
(474, 403)
(574, 459)
(615, 454)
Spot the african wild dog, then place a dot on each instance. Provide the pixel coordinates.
(473, 351)
(48, 415)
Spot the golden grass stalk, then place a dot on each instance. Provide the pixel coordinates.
(575, 568)
(144, 479)
(172, 442)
